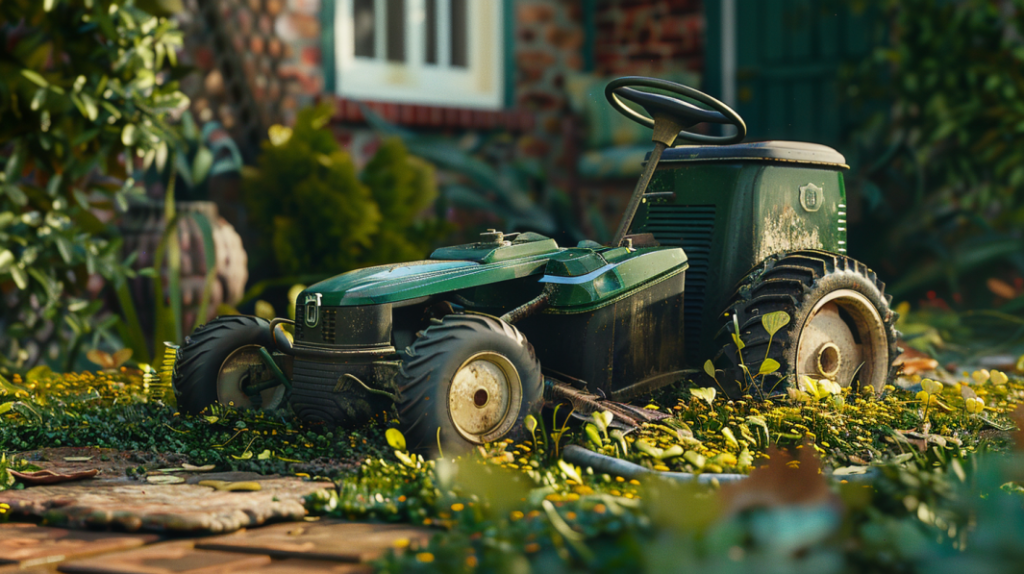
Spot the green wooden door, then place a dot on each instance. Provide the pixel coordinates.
(787, 56)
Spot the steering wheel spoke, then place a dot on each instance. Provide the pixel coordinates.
(668, 114)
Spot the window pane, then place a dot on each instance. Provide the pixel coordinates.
(396, 30)
(363, 28)
(459, 30)
(430, 29)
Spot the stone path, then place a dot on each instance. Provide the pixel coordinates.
(299, 547)
(140, 506)
(112, 524)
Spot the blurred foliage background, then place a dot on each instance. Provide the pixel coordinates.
(84, 86)
(943, 210)
(334, 217)
(91, 115)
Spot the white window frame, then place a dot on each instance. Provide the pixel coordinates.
(478, 85)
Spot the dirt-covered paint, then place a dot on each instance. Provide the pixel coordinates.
(785, 230)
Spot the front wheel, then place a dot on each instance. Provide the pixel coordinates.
(220, 360)
(469, 380)
(841, 327)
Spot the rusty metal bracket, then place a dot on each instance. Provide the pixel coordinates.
(538, 303)
(627, 417)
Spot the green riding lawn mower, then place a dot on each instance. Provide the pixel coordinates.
(729, 252)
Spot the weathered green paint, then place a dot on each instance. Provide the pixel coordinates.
(574, 263)
(757, 212)
(491, 253)
(569, 271)
(403, 281)
(615, 280)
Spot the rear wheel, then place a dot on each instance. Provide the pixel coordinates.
(219, 360)
(469, 380)
(841, 327)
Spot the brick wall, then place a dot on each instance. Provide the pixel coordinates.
(276, 45)
(649, 37)
(548, 45)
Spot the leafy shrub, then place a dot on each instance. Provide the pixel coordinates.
(83, 85)
(318, 215)
(946, 185)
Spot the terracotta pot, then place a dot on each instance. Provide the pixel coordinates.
(143, 227)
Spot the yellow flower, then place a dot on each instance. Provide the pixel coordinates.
(931, 387)
(425, 557)
(927, 398)
(279, 135)
(980, 376)
(998, 377)
(975, 405)
(810, 390)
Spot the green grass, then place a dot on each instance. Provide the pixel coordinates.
(946, 493)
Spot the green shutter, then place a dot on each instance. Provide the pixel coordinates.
(788, 56)
(327, 65)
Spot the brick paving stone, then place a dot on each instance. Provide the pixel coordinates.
(325, 540)
(178, 508)
(167, 558)
(28, 545)
(302, 566)
(20, 570)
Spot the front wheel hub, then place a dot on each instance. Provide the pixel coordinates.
(484, 397)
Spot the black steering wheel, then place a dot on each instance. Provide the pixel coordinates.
(682, 113)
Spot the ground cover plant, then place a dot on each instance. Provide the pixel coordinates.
(920, 476)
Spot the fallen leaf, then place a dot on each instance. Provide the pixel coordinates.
(783, 481)
(78, 458)
(850, 470)
(1001, 288)
(164, 479)
(914, 365)
(222, 485)
(50, 477)
(205, 468)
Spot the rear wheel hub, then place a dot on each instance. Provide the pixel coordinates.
(844, 340)
(244, 368)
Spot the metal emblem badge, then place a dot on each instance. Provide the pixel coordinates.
(312, 309)
(811, 197)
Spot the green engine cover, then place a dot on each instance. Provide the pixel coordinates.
(733, 207)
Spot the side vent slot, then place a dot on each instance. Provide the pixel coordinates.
(692, 228)
(300, 333)
(329, 321)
